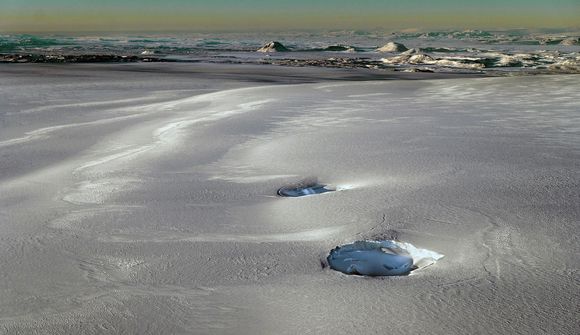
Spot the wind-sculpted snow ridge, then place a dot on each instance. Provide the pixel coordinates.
(380, 258)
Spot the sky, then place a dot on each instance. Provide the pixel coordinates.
(259, 15)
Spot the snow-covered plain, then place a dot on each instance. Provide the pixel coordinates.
(142, 200)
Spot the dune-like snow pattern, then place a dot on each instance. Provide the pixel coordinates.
(155, 211)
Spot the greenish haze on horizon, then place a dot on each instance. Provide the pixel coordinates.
(87, 15)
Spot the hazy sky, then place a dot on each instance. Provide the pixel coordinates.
(160, 15)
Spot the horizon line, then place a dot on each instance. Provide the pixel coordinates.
(124, 22)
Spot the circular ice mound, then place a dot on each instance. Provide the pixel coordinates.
(380, 258)
(304, 188)
(393, 47)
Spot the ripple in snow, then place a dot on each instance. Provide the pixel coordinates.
(308, 187)
(380, 258)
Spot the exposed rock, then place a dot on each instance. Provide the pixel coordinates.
(571, 41)
(566, 66)
(412, 51)
(273, 47)
(329, 62)
(41, 58)
(423, 59)
(345, 48)
(409, 59)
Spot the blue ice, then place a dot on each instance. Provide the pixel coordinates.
(371, 258)
(300, 191)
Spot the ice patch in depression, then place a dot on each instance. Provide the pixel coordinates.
(307, 187)
(380, 258)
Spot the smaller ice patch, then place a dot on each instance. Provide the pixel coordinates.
(304, 188)
(380, 258)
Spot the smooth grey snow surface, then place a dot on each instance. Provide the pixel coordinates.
(137, 201)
